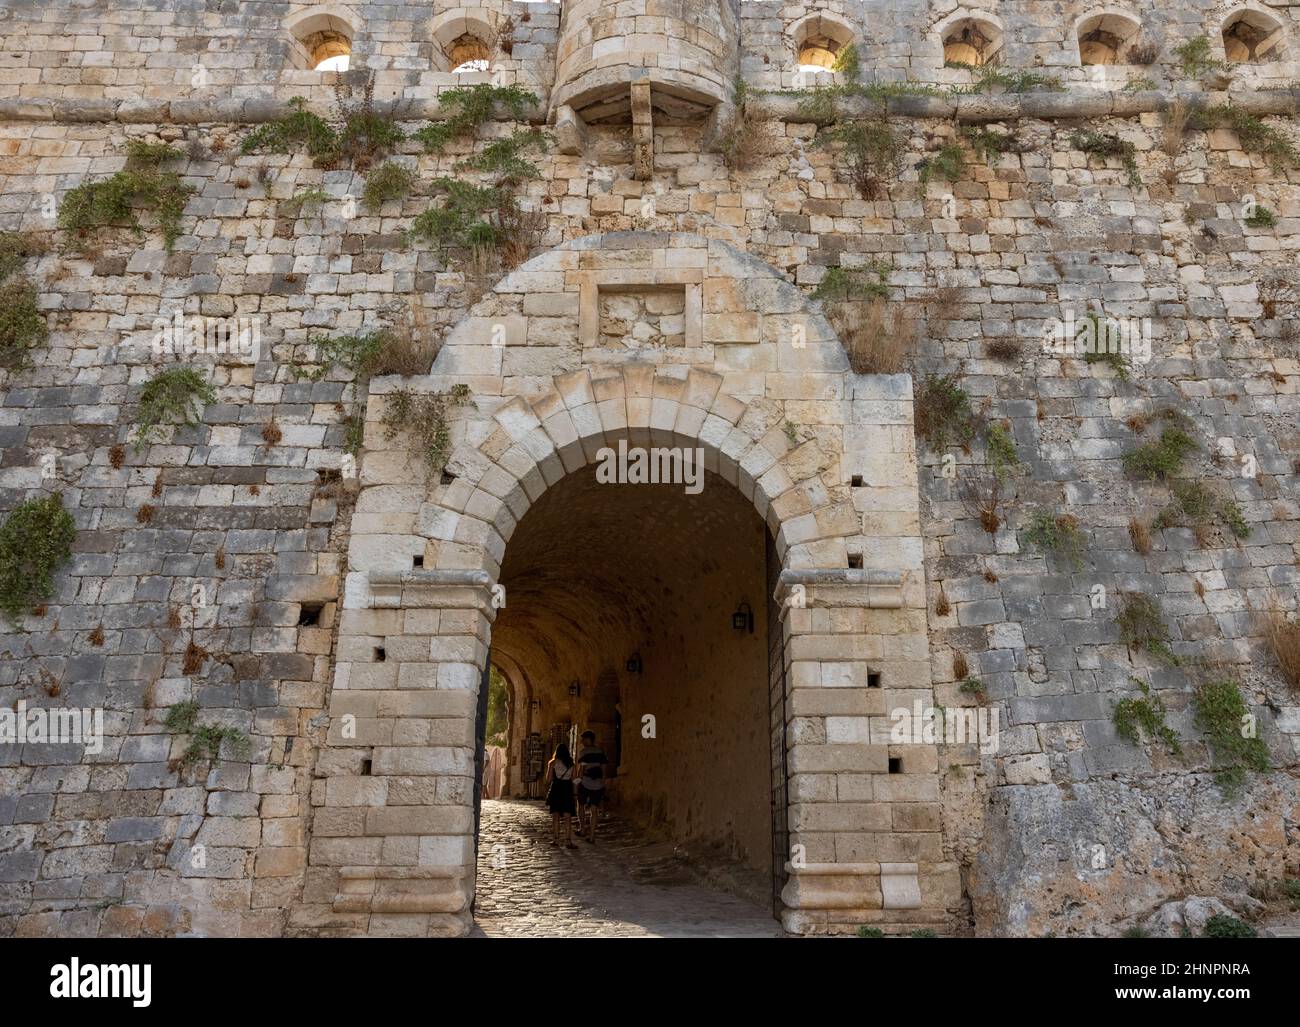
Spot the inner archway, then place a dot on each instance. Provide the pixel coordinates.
(638, 611)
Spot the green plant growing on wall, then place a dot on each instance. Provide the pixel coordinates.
(504, 157)
(389, 181)
(846, 284)
(174, 395)
(362, 134)
(1141, 624)
(1000, 449)
(948, 164)
(206, 740)
(300, 202)
(1057, 535)
(1133, 716)
(1223, 926)
(1114, 359)
(360, 354)
(987, 143)
(820, 106)
(401, 349)
(1291, 892)
(181, 717)
(470, 218)
(468, 107)
(366, 133)
(848, 63)
(1195, 57)
(354, 432)
(974, 687)
(113, 202)
(483, 221)
(1255, 135)
(1141, 84)
(1162, 458)
(1104, 145)
(22, 326)
(872, 153)
(35, 541)
(746, 137)
(424, 416)
(943, 413)
(299, 128)
(1229, 728)
(990, 77)
(1235, 519)
(1261, 217)
(1106, 348)
(1197, 506)
(15, 248)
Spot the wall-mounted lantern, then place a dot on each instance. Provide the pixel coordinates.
(575, 690)
(634, 663)
(743, 618)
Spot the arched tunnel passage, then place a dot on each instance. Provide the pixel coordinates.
(639, 612)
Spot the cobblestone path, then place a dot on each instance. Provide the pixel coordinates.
(624, 886)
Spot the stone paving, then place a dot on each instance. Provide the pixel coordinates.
(624, 886)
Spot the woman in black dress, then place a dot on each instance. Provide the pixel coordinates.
(559, 772)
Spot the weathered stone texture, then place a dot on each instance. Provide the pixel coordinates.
(293, 569)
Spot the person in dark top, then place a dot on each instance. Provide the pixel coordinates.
(560, 772)
(591, 784)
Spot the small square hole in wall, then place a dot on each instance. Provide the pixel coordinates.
(856, 481)
(417, 562)
(448, 477)
(365, 768)
(873, 679)
(855, 561)
(309, 614)
(381, 654)
(895, 764)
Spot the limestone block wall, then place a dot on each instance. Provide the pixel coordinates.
(134, 52)
(904, 40)
(105, 843)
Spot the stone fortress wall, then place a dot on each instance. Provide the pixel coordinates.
(1067, 828)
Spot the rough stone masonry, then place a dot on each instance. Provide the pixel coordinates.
(286, 571)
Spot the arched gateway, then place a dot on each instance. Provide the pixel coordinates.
(663, 342)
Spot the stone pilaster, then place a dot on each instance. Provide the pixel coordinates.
(394, 823)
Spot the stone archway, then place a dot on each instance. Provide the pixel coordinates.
(392, 848)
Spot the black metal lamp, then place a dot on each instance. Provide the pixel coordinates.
(575, 690)
(743, 618)
(634, 663)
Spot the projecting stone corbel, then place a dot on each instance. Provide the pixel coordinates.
(432, 589)
(840, 587)
(719, 125)
(570, 132)
(438, 889)
(643, 132)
